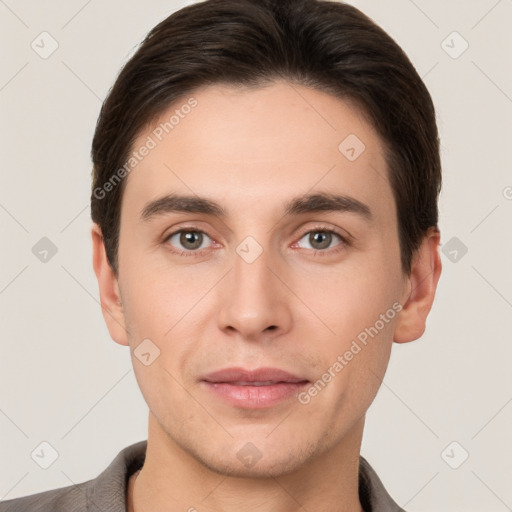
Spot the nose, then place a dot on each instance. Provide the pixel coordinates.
(255, 302)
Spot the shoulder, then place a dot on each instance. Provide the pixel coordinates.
(372, 493)
(66, 499)
(107, 492)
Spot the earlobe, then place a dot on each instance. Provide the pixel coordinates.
(422, 283)
(110, 297)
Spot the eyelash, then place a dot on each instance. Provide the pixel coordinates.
(344, 242)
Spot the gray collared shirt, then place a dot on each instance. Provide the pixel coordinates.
(107, 492)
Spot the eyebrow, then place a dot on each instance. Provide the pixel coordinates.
(307, 203)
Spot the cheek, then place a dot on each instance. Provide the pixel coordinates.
(352, 368)
(356, 300)
(157, 298)
(166, 316)
(159, 321)
(360, 307)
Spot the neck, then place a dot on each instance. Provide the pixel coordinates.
(173, 479)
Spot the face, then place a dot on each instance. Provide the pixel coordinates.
(312, 288)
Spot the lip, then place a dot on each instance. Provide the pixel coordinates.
(253, 389)
(237, 374)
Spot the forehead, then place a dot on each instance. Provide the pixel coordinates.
(254, 148)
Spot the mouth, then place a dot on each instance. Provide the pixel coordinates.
(253, 389)
(267, 383)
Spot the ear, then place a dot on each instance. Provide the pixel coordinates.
(110, 296)
(422, 285)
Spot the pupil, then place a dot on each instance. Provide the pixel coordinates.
(322, 238)
(191, 237)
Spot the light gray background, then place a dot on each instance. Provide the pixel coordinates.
(64, 381)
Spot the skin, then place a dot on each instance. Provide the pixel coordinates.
(251, 151)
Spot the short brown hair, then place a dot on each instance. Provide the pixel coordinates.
(326, 45)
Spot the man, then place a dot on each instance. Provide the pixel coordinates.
(265, 187)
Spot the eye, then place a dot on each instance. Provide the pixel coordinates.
(190, 240)
(194, 242)
(321, 239)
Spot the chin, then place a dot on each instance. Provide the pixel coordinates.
(255, 457)
(271, 467)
